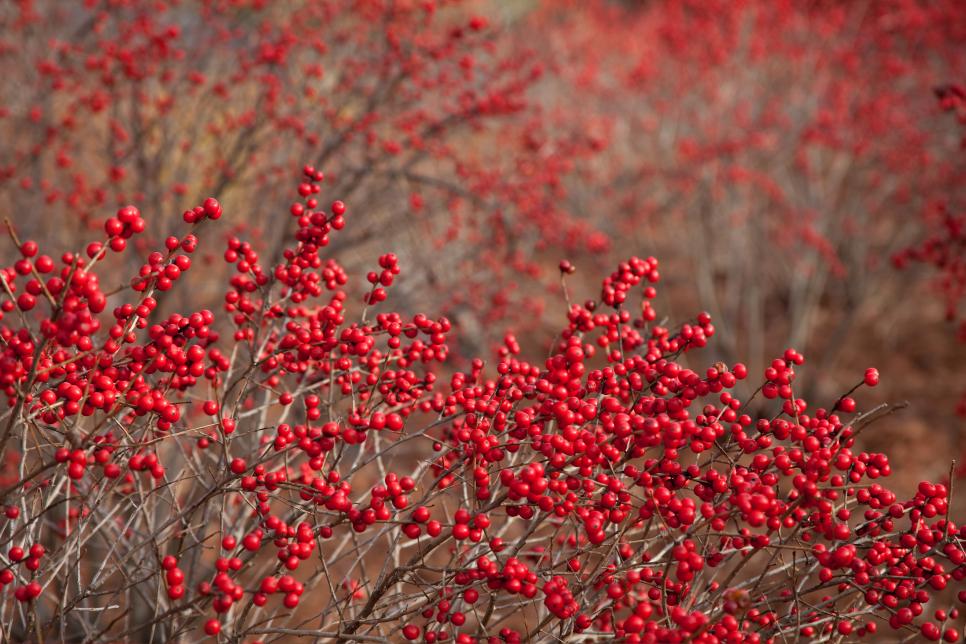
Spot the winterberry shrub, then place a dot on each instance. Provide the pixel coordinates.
(297, 465)
(776, 153)
(425, 111)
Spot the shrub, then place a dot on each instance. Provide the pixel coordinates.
(775, 153)
(424, 111)
(295, 466)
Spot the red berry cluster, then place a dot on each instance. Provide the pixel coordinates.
(295, 447)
